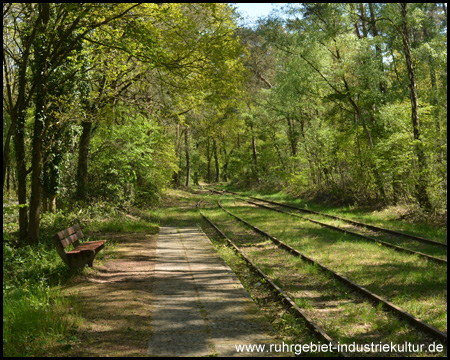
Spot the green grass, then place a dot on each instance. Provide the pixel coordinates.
(291, 329)
(32, 304)
(33, 319)
(124, 225)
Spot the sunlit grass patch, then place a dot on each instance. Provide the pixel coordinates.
(391, 217)
(124, 225)
(344, 315)
(291, 329)
(303, 303)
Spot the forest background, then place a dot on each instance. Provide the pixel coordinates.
(115, 102)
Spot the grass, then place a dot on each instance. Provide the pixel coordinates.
(34, 312)
(33, 308)
(410, 244)
(35, 318)
(291, 329)
(121, 224)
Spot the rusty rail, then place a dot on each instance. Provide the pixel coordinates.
(357, 223)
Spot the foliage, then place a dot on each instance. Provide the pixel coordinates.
(106, 104)
(315, 99)
(131, 163)
(335, 117)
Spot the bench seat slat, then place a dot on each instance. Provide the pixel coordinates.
(87, 246)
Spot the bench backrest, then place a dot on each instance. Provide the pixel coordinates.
(66, 237)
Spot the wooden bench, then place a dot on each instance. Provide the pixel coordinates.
(81, 254)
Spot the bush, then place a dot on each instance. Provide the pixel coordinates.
(131, 163)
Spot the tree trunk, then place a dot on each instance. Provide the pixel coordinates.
(177, 175)
(255, 157)
(362, 11)
(188, 163)
(19, 142)
(36, 179)
(208, 157)
(378, 54)
(438, 121)
(6, 150)
(216, 160)
(83, 153)
(226, 160)
(421, 192)
(255, 154)
(18, 116)
(52, 203)
(292, 135)
(8, 180)
(434, 100)
(40, 78)
(44, 203)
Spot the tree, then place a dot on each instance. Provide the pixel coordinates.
(421, 189)
(401, 25)
(50, 32)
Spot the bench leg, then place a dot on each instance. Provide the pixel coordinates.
(90, 259)
(79, 262)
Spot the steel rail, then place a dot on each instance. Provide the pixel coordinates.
(367, 293)
(365, 237)
(357, 223)
(287, 301)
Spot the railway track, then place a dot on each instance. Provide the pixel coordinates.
(283, 296)
(430, 243)
(426, 328)
(357, 223)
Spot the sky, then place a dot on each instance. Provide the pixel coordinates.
(254, 9)
(251, 11)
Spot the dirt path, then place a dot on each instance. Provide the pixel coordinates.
(115, 301)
